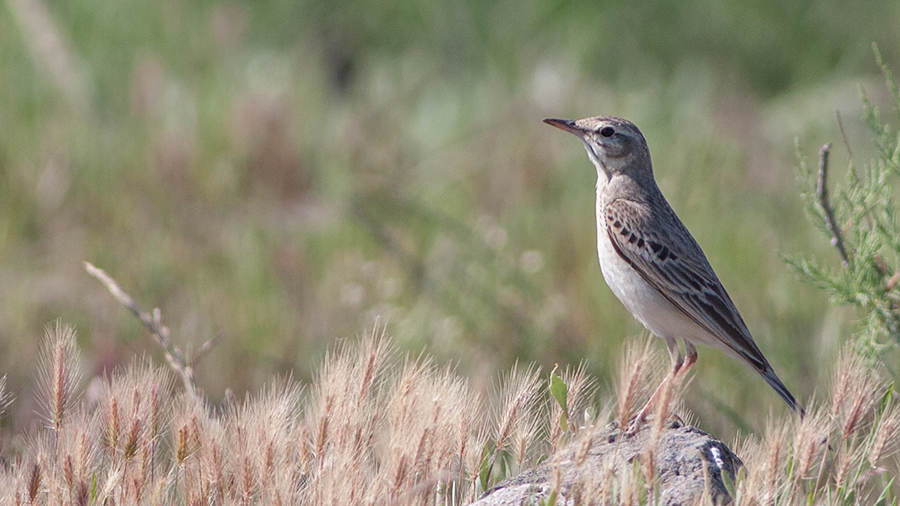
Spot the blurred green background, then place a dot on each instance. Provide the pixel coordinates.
(283, 173)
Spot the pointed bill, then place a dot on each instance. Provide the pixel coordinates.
(567, 125)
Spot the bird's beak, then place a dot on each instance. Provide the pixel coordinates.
(567, 125)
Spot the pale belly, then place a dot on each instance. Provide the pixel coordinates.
(644, 302)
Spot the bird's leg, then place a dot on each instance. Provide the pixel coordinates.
(690, 357)
(678, 375)
(677, 364)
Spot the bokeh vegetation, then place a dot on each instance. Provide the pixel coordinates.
(279, 174)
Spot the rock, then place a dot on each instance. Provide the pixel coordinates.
(688, 465)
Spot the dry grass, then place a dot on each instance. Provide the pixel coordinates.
(375, 428)
(842, 452)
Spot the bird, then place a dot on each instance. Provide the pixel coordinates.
(652, 263)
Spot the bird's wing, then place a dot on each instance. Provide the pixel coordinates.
(677, 268)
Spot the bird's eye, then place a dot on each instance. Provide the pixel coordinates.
(607, 131)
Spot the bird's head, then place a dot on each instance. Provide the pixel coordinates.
(614, 145)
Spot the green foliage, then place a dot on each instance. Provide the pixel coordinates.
(864, 226)
(558, 389)
(282, 173)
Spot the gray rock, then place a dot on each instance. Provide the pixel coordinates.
(688, 465)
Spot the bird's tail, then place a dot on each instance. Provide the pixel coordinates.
(772, 379)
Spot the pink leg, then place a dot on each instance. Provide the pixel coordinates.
(678, 365)
(690, 358)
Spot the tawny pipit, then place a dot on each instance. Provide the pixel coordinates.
(650, 260)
